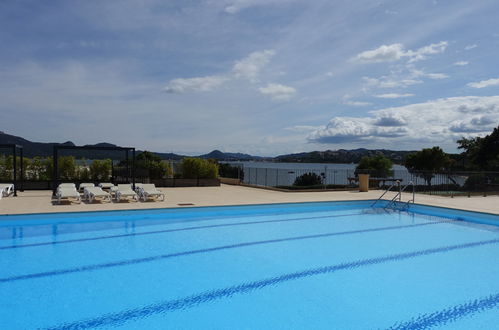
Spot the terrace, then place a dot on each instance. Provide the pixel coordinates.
(40, 201)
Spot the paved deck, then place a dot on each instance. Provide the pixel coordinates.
(40, 201)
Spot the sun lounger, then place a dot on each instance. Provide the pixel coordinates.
(149, 190)
(106, 185)
(6, 189)
(66, 185)
(125, 191)
(85, 185)
(137, 187)
(91, 193)
(68, 193)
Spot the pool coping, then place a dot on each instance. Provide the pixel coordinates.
(472, 217)
(32, 202)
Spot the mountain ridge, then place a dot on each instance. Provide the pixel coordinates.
(45, 149)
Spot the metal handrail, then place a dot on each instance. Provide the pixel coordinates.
(399, 195)
(387, 190)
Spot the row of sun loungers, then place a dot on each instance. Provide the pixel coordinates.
(67, 191)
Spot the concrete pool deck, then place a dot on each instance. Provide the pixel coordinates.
(40, 201)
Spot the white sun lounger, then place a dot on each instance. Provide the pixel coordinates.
(125, 191)
(106, 185)
(66, 185)
(68, 193)
(137, 187)
(91, 193)
(149, 190)
(6, 189)
(85, 185)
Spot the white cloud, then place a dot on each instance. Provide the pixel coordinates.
(250, 66)
(347, 100)
(302, 128)
(235, 6)
(203, 84)
(461, 63)
(384, 53)
(395, 52)
(440, 121)
(468, 47)
(484, 83)
(420, 73)
(393, 95)
(278, 91)
(437, 75)
(422, 52)
(390, 82)
(357, 103)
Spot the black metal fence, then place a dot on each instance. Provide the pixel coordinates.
(450, 183)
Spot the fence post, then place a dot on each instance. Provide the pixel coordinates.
(400, 190)
(14, 156)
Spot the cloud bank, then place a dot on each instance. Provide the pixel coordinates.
(432, 122)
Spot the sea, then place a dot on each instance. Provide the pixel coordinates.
(284, 174)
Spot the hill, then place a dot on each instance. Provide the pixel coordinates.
(41, 149)
(32, 149)
(342, 156)
(229, 156)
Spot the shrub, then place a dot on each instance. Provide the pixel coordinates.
(156, 167)
(229, 171)
(6, 167)
(475, 182)
(37, 169)
(67, 167)
(308, 179)
(100, 170)
(193, 168)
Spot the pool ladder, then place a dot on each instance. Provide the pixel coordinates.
(398, 196)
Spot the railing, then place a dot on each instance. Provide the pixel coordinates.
(448, 183)
(382, 195)
(399, 195)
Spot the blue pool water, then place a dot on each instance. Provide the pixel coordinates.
(341, 265)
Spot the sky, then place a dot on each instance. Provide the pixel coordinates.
(264, 77)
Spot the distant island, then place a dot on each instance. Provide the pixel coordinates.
(343, 156)
(41, 149)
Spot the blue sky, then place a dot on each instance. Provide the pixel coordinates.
(263, 77)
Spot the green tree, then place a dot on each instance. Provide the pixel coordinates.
(482, 153)
(377, 166)
(487, 156)
(100, 169)
(67, 168)
(37, 169)
(427, 162)
(193, 168)
(471, 146)
(6, 167)
(157, 168)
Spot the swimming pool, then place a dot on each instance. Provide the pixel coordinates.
(340, 265)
